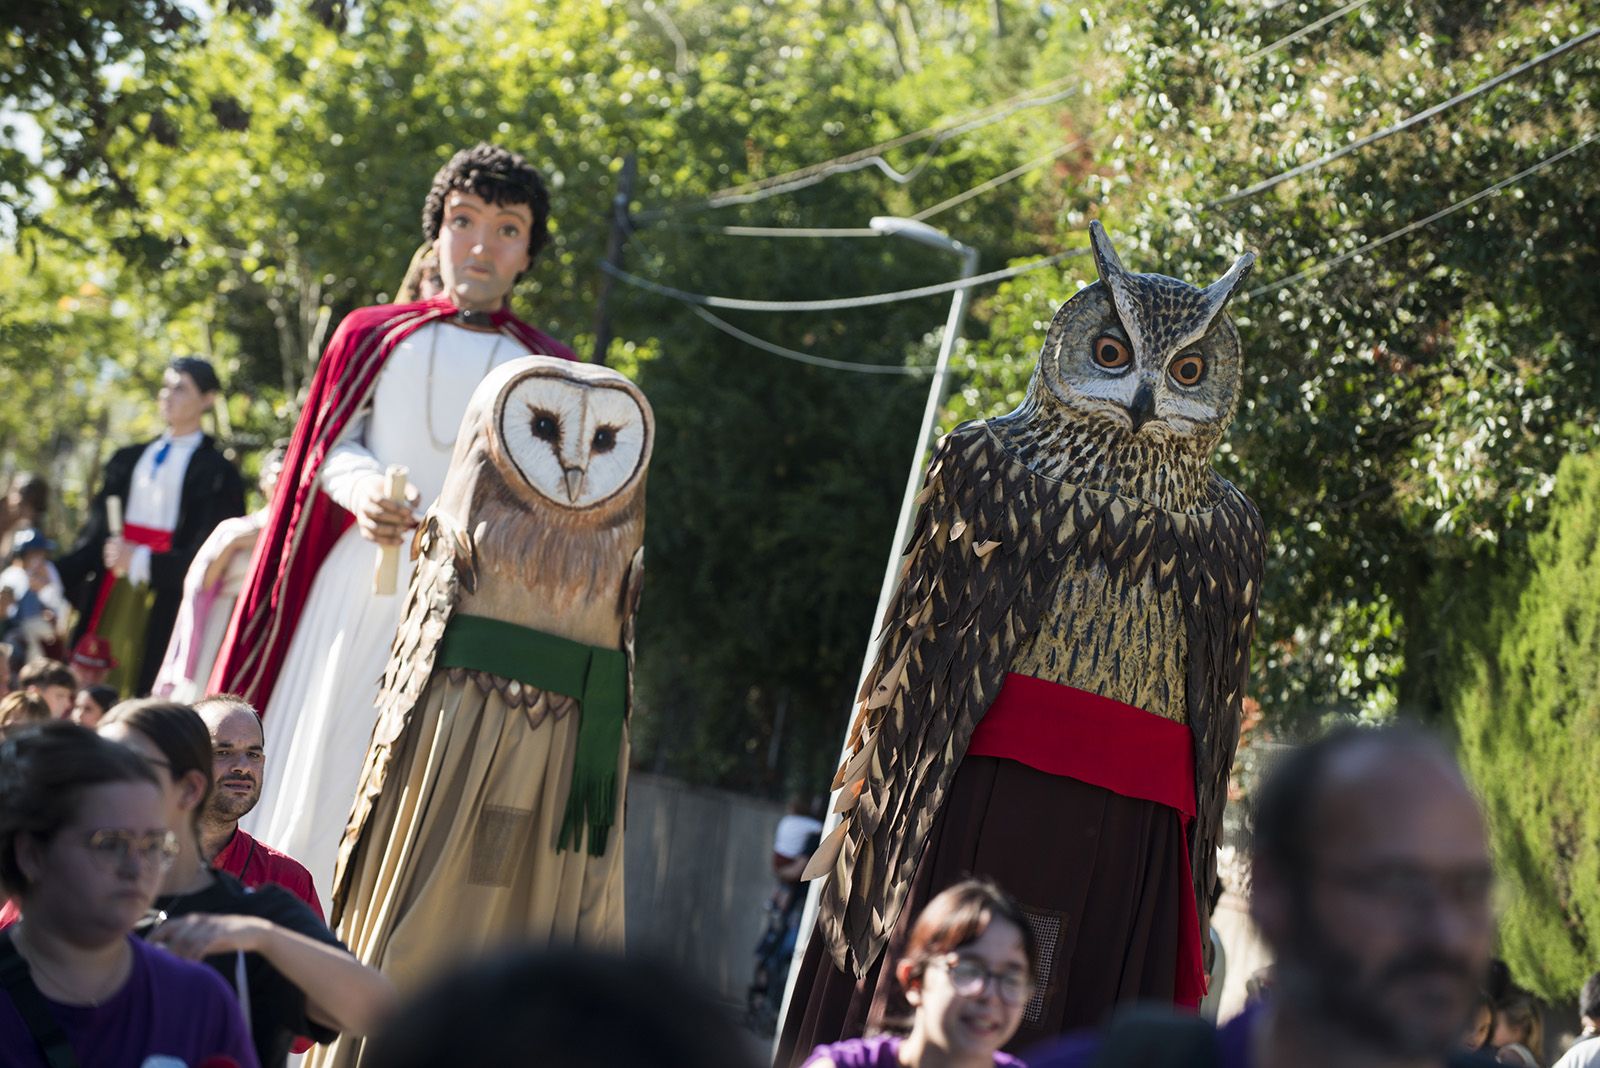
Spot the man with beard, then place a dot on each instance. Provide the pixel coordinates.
(238, 754)
(1371, 883)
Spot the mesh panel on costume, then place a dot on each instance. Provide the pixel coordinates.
(494, 843)
(1046, 927)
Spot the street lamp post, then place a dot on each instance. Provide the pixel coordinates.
(922, 233)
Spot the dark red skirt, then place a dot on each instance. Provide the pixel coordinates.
(1103, 879)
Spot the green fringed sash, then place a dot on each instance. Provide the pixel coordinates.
(597, 677)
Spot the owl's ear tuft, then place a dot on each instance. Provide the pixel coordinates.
(1105, 257)
(1118, 281)
(1219, 292)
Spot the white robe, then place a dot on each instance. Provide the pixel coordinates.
(319, 718)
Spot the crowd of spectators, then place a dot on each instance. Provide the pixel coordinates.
(142, 922)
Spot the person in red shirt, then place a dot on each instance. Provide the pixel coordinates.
(238, 750)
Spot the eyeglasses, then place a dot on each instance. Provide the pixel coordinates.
(1412, 890)
(968, 978)
(113, 849)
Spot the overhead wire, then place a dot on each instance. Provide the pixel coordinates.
(835, 303)
(807, 357)
(1407, 123)
(1305, 30)
(787, 231)
(1327, 265)
(997, 181)
(789, 181)
(699, 302)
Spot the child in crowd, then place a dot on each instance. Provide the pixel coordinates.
(967, 973)
(22, 707)
(51, 680)
(31, 594)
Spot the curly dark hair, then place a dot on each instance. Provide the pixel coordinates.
(496, 175)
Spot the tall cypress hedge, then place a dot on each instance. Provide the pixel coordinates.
(1522, 683)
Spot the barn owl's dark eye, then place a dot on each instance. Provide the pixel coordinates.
(605, 439)
(546, 427)
(1112, 353)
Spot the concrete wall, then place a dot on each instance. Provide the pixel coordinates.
(698, 870)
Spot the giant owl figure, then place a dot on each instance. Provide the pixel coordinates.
(1055, 701)
(491, 802)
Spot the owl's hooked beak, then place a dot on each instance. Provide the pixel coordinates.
(574, 479)
(1143, 408)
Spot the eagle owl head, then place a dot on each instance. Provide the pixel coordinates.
(1137, 382)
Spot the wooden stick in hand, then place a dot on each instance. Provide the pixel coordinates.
(388, 570)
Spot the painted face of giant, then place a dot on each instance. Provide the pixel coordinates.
(482, 247)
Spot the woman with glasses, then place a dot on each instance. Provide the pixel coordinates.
(83, 846)
(967, 974)
(279, 957)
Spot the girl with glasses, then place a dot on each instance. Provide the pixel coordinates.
(967, 974)
(83, 847)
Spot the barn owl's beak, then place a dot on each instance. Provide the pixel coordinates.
(574, 484)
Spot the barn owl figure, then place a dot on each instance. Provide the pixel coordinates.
(1056, 699)
(490, 804)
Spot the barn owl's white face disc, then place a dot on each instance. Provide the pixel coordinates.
(574, 443)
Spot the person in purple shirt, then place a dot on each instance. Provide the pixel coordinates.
(1371, 882)
(83, 844)
(967, 974)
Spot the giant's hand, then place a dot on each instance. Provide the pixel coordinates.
(118, 555)
(380, 519)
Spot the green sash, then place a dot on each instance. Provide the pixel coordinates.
(597, 677)
(124, 621)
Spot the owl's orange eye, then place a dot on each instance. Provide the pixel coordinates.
(1112, 353)
(1188, 369)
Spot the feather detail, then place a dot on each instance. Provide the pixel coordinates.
(954, 625)
(446, 566)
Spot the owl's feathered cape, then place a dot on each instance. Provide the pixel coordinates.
(303, 523)
(990, 542)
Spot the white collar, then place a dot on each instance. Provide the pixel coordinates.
(191, 439)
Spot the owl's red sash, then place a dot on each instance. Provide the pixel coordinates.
(1080, 735)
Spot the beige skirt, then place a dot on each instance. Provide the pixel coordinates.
(458, 855)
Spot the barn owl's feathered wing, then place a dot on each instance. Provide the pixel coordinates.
(990, 542)
(446, 568)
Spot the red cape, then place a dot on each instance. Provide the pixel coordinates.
(303, 522)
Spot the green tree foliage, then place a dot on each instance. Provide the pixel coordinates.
(1404, 411)
(1523, 688)
(775, 485)
(1408, 407)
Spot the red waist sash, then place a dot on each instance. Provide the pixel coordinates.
(1079, 735)
(157, 541)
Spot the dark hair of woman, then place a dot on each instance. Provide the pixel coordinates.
(577, 1009)
(176, 730)
(104, 697)
(958, 916)
(45, 768)
(499, 177)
